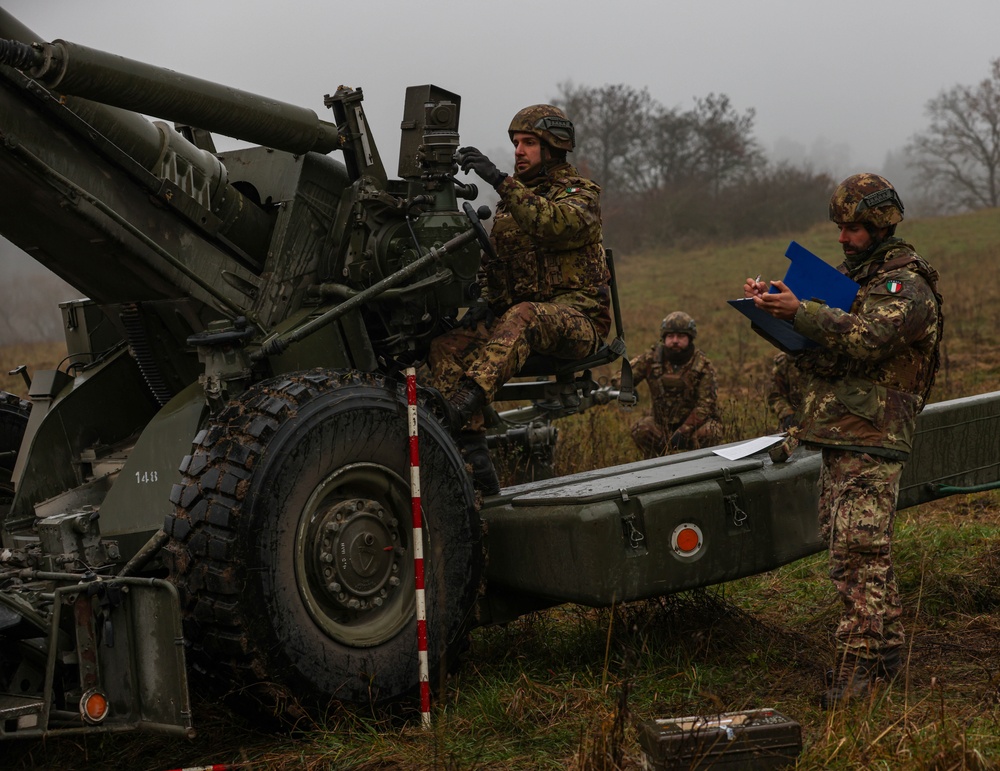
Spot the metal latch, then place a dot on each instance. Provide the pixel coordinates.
(633, 523)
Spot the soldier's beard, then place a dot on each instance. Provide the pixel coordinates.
(854, 260)
(683, 356)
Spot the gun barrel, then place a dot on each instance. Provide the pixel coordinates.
(76, 70)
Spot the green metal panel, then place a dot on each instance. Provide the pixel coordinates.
(139, 499)
(98, 411)
(957, 443)
(605, 536)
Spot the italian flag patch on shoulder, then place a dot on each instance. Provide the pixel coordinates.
(894, 287)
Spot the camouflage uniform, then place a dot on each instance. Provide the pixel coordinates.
(869, 379)
(684, 398)
(548, 284)
(788, 384)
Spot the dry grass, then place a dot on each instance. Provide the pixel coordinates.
(567, 687)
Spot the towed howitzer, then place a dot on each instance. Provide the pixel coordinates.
(218, 479)
(247, 315)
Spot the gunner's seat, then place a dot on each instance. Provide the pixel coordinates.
(560, 385)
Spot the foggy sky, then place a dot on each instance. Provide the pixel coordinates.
(845, 81)
(835, 84)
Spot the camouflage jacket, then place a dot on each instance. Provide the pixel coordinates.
(684, 395)
(874, 370)
(788, 386)
(548, 240)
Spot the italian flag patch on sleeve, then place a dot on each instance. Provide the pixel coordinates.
(894, 287)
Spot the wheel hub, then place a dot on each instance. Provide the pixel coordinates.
(357, 553)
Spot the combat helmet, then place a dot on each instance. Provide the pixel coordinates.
(868, 199)
(548, 123)
(680, 323)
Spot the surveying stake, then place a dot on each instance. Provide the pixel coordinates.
(418, 548)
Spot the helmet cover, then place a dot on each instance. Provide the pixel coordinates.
(678, 322)
(548, 123)
(868, 199)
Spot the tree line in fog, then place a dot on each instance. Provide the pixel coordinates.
(673, 176)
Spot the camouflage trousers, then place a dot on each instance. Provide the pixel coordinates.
(651, 437)
(857, 511)
(492, 355)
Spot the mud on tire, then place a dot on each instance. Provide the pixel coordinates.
(292, 542)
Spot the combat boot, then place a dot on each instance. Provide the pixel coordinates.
(890, 662)
(477, 455)
(851, 680)
(464, 403)
(887, 666)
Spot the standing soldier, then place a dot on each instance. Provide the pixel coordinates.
(545, 292)
(682, 389)
(869, 378)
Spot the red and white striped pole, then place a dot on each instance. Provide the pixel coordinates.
(418, 548)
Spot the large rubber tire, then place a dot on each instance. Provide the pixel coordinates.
(292, 543)
(14, 414)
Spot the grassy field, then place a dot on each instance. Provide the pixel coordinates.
(565, 688)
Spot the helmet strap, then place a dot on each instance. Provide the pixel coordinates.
(878, 238)
(550, 158)
(531, 174)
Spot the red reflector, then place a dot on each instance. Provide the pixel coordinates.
(94, 706)
(687, 540)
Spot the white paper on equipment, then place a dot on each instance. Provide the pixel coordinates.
(746, 449)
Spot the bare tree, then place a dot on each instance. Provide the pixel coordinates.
(612, 129)
(631, 144)
(958, 156)
(727, 150)
(671, 174)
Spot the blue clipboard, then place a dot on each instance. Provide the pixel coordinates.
(810, 278)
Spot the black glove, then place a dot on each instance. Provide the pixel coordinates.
(479, 311)
(470, 159)
(678, 441)
(786, 422)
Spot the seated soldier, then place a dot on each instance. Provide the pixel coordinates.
(545, 292)
(682, 388)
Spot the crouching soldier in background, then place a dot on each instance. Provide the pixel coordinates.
(683, 391)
